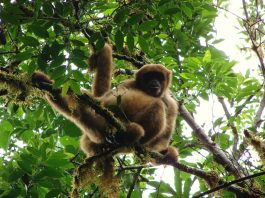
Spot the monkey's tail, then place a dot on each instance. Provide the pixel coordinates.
(102, 62)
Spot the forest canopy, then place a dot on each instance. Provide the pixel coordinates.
(39, 148)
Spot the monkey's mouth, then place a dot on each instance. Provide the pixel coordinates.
(155, 90)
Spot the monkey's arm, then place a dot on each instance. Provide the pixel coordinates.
(153, 121)
(73, 108)
(62, 104)
(161, 142)
(102, 62)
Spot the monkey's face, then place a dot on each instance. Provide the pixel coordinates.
(153, 79)
(153, 83)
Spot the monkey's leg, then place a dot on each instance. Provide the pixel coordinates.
(90, 148)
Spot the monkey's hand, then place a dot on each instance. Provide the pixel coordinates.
(41, 81)
(102, 58)
(133, 134)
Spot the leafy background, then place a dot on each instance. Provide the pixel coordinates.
(40, 148)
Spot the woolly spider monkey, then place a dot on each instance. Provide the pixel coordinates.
(146, 108)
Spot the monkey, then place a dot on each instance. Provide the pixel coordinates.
(146, 107)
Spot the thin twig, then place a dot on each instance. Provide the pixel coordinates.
(135, 178)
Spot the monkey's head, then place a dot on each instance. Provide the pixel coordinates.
(153, 79)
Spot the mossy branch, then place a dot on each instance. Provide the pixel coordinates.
(18, 85)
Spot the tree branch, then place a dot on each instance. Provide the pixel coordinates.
(257, 119)
(250, 26)
(135, 178)
(227, 184)
(114, 149)
(231, 124)
(219, 155)
(135, 62)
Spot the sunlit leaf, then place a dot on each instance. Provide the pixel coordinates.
(147, 26)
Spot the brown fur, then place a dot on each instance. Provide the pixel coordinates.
(103, 63)
(149, 120)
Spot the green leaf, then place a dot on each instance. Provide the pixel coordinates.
(119, 40)
(75, 87)
(55, 49)
(143, 44)
(178, 183)
(6, 126)
(223, 140)
(59, 81)
(59, 159)
(187, 188)
(58, 61)
(52, 172)
(59, 8)
(147, 26)
(77, 53)
(187, 11)
(31, 67)
(130, 42)
(218, 122)
(15, 174)
(171, 11)
(23, 55)
(58, 72)
(48, 8)
(71, 129)
(78, 75)
(29, 41)
(121, 16)
(100, 43)
(5, 131)
(77, 43)
(188, 75)
(135, 18)
(24, 166)
(69, 141)
(11, 14)
(39, 31)
(65, 88)
(48, 133)
(53, 193)
(79, 63)
(27, 135)
(207, 56)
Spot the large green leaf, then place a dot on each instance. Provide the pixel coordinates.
(119, 38)
(30, 41)
(5, 131)
(147, 26)
(39, 30)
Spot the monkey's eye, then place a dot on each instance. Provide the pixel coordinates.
(153, 76)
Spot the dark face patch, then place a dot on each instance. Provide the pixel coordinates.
(152, 83)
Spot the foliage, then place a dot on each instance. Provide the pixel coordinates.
(40, 149)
